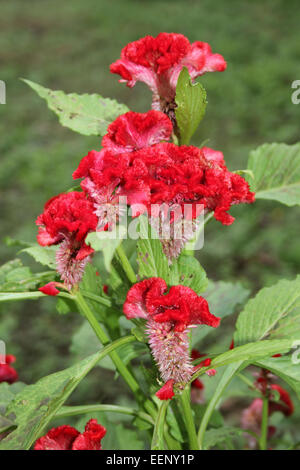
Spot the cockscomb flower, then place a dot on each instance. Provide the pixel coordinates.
(158, 61)
(169, 314)
(68, 438)
(66, 221)
(133, 131)
(7, 372)
(183, 180)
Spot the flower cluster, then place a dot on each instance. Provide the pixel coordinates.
(66, 221)
(169, 314)
(159, 61)
(7, 372)
(152, 175)
(68, 438)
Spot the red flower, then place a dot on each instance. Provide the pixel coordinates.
(168, 315)
(133, 131)
(166, 392)
(159, 61)
(285, 404)
(7, 373)
(49, 289)
(181, 306)
(66, 220)
(68, 438)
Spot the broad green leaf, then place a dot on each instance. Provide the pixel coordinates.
(86, 114)
(227, 376)
(220, 435)
(14, 277)
(276, 170)
(191, 104)
(188, 272)
(107, 243)
(150, 257)
(285, 369)
(222, 298)
(36, 405)
(44, 255)
(263, 312)
(253, 351)
(287, 327)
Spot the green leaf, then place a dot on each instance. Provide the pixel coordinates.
(186, 270)
(107, 242)
(252, 351)
(287, 327)
(150, 257)
(220, 435)
(227, 376)
(262, 313)
(86, 114)
(158, 433)
(222, 298)
(44, 255)
(37, 404)
(14, 277)
(191, 104)
(276, 170)
(284, 368)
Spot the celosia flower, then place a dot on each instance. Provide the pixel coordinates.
(68, 438)
(66, 220)
(169, 314)
(159, 61)
(134, 131)
(7, 372)
(164, 180)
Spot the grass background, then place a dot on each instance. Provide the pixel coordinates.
(69, 46)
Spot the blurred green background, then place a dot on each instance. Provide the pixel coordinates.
(69, 46)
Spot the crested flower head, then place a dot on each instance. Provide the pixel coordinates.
(7, 372)
(158, 62)
(169, 313)
(133, 131)
(68, 438)
(66, 220)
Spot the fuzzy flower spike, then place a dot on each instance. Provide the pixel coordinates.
(158, 62)
(66, 221)
(169, 314)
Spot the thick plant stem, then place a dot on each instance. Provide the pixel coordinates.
(264, 424)
(185, 399)
(158, 433)
(126, 264)
(104, 339)
(87, 409)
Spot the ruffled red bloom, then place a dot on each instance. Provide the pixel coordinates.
(7, 372)
(68, 438)
(168, 315)
(167, 174)
(181, 306)
(66, 220)
(134, 131)
(158, 62)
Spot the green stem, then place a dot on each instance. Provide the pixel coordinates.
(264, 424)
(96, 298)
(126, 264)
(185, 399)
(158, 433)
(104, 339)
(86, 409)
